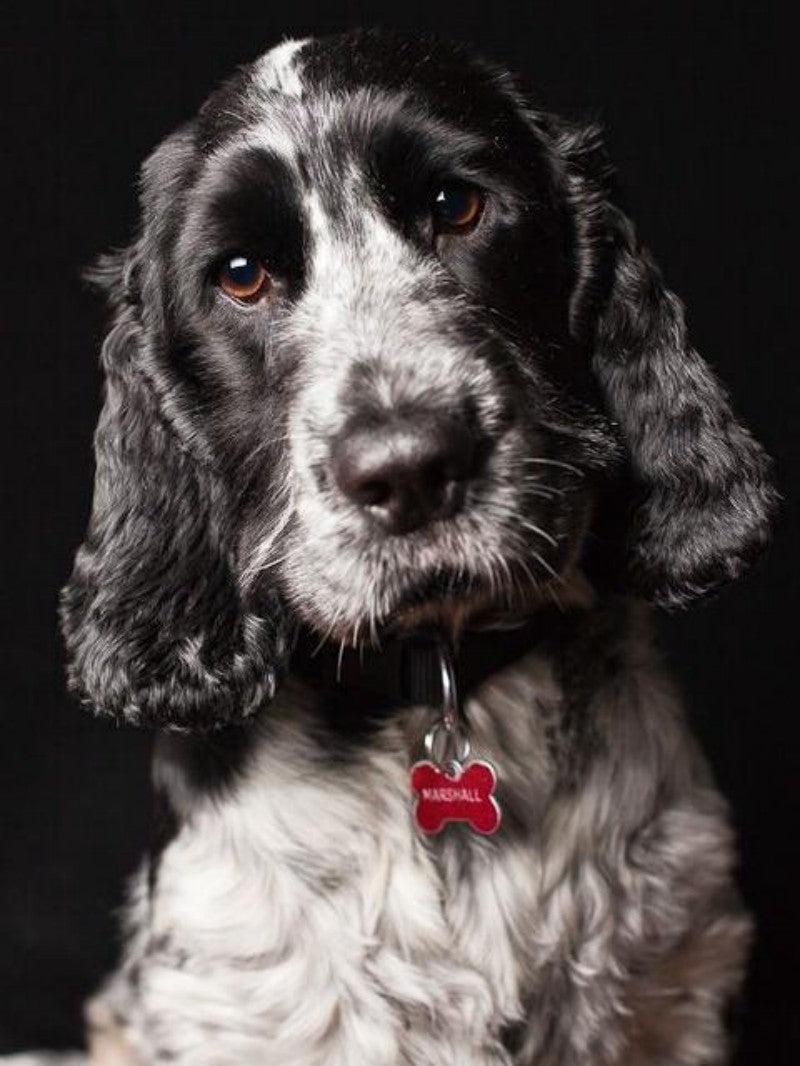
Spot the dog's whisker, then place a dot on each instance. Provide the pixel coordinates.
(328, 634)
(276, 560)
(534, 487)
(268, 442)
(540, 532)
(547, 567)
(262, 560)
(323, 640)
(540, 461)
(522, 564)
(551, 592)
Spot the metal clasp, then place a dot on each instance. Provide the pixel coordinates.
(447, 741)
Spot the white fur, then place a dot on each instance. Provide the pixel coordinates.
(277, 70)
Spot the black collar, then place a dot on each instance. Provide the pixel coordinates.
(405, 671)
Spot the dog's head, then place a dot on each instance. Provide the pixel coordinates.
(383, 350)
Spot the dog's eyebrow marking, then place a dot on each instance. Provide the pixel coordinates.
(253, 203)
(275, 136)
(277, 71)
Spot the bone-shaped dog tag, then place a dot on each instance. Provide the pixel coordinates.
(457, 794)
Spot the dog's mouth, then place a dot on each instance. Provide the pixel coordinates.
(455, 602)
(451, 601)
(447, 602)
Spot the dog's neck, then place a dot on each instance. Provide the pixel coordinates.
(405, 670)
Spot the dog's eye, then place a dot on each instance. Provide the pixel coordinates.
(457, 208)
(243, 279)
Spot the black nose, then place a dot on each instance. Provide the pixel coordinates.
(406, 470)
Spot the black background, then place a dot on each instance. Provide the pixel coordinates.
(700, 120)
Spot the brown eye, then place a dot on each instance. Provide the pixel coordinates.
(457, 208)
(243, 279)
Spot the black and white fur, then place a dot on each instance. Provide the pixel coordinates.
(292, 914)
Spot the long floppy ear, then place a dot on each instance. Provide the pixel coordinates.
(156, 628)
(702, 495)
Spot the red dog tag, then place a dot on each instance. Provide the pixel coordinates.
(466, 795)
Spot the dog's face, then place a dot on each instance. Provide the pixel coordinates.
(381, 351)
(374, 294)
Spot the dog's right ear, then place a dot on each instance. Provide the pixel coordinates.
(696, 497)
(156, 627)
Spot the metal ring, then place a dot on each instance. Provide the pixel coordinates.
(450, 705)
(452, 768)
(456, 748)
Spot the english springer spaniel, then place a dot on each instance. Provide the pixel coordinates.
(399, 411)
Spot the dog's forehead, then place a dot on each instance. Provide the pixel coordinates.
(436, 68)
(298, 91)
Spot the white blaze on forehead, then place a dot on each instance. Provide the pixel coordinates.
(277, 71)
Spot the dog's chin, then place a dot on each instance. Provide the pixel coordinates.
(453, 614)
(455, 602)
(450, 603)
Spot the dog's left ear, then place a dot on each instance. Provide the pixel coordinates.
(704, 499)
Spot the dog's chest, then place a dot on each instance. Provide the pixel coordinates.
(304, 901)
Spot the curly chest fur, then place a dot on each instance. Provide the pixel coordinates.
(307, 904)
(300, 915)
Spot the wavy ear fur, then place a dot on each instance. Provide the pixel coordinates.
(703, 497)
(155, 626)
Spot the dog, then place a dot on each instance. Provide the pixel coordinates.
(392, 390)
